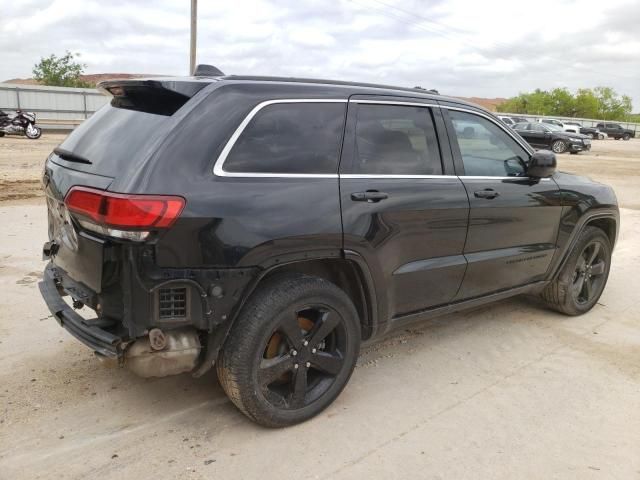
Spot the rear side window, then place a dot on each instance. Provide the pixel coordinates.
(298, 138)
(395, 140)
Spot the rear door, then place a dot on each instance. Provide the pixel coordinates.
(403, 209)
(514, 219)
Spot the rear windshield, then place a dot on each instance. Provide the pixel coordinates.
(113, 139)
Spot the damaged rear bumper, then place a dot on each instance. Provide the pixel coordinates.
(96, 338)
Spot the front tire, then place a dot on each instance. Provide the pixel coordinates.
(626, 137)
(583, 277)
(291, 351)
(33, 133)
(559, 146)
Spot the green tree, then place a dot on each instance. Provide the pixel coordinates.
(601, 103)
(587, 104)
(62, 71)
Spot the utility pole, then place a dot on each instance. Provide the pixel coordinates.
(194, 36)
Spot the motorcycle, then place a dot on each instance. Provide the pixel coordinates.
(22, 123)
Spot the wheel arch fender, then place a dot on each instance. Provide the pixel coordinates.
(608, 221)
(349, 272)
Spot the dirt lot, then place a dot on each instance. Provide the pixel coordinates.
(506, 391)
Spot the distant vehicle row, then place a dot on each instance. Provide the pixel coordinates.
(599, 132)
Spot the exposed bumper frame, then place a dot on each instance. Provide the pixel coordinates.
(99, 340)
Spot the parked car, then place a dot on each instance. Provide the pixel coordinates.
(508, 120)
(269, 226)
(571, 127)
(546, 135)
(616, 131)
(591, 132)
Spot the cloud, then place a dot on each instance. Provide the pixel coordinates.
(461, 47)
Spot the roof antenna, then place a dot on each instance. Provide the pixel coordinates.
(204, 70)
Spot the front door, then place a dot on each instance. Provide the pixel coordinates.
(400, 211)
(514, 219)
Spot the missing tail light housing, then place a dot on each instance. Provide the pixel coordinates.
(119, 215)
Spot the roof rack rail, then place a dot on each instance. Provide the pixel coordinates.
(430, 90)
(204, 70)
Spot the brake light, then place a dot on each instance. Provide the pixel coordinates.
(124, 211)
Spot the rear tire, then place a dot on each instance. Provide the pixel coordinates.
(291, 351)
(583, 277)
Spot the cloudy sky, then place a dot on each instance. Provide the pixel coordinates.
(461, 47)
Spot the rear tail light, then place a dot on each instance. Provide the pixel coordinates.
(123, 215)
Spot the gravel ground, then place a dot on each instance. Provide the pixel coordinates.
(506, 391)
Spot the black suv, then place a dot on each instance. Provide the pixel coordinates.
(616, 131)
(268, 226)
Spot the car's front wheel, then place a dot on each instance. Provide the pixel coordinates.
(291, 351)
(583, 277)
(626, 137)
(559, 146)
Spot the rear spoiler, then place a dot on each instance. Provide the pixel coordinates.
(157, 96)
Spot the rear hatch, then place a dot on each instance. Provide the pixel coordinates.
(108, 146)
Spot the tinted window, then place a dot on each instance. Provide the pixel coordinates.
(536, 127)
(486, 149)
(290, 138)
(395, 140)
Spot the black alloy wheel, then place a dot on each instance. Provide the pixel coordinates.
(588, 277)
(582, 279)
(291, 351)
(303, 357)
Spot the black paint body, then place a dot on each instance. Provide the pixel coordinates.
(432, 246)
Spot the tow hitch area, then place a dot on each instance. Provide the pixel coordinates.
(49, 249)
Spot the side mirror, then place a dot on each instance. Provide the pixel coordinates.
(542, 164)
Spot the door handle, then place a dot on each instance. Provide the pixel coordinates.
(486, 193)
(371, 196)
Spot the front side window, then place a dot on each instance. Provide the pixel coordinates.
(298, 138)
(395, 140)
(486, 149)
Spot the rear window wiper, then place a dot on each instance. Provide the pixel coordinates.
(70, 157)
